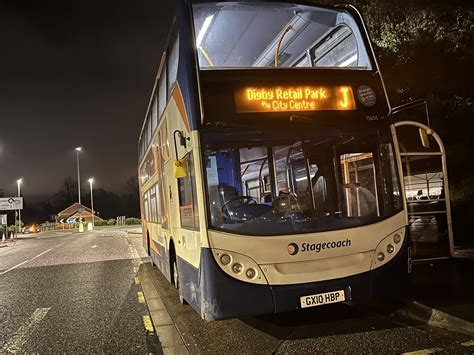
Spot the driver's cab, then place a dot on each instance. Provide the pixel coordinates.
(246, 190)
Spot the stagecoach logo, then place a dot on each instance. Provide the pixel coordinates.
(293, 248)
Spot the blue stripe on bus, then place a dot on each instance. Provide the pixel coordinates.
(187, 67)
(216, 295)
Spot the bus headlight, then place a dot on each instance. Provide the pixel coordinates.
(226, 259)
(397, 238)
(388, 248)
(251, 273)
(239, 266)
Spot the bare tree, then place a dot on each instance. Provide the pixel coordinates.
(67, 193)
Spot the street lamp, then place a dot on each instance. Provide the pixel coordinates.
(91, 180)
(18, 184)
(78, 150)
(81, 227)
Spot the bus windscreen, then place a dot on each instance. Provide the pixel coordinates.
(278, 35)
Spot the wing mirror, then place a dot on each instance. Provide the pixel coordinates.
(179, 165)
(179, 168)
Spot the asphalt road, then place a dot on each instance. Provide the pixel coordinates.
(71, 292)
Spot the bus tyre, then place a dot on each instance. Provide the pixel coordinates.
(176, 281)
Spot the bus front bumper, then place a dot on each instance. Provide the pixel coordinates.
(225, 297)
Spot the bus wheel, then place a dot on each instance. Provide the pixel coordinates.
(176, 281)
(175, 275)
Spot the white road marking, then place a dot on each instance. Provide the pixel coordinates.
(37, 256)
(424, 351)
(94, 246)
(24, 262)
(34, 257)
(19, 338)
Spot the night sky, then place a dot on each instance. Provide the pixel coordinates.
(75, 73)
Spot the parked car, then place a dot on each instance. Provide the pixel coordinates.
(31, 228)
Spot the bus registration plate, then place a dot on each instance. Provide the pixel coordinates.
(322, 298)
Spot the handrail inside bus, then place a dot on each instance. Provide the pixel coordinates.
(277, 48)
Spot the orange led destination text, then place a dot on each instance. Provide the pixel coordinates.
(307, 98)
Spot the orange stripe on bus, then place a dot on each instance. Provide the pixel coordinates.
(178, 98)
(153, 246)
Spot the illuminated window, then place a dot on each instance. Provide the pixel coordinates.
(147, 206)
(187, 197)
(248, 35)
(164, 142)
(339, 49)
(153, 209)
(314, 180)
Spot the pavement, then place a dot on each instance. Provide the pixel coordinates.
(445, 285)
(69, 292)
(136, 230)
(335, 328)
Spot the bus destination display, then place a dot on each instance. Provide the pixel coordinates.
(294, 98)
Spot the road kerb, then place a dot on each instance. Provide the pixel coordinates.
(424, 351)
(170, 339)
(176, 350)
(434, 317)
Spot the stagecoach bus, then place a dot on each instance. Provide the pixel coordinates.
(269, 178)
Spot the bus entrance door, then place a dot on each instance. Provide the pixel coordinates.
(423, 161)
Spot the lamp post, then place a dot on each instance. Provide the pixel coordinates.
(18, 184)
(78, 150)
(91, 180)
(81, 227)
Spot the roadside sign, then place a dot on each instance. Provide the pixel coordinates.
(11, 203)
(71, 220)
(3, 219)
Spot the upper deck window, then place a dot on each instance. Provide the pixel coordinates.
(248, 35)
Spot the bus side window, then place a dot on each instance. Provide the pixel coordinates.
(189, 213)
(164, 142)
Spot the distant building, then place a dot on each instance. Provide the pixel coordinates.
(76, 211)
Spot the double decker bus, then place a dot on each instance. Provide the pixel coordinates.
(269, 178)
